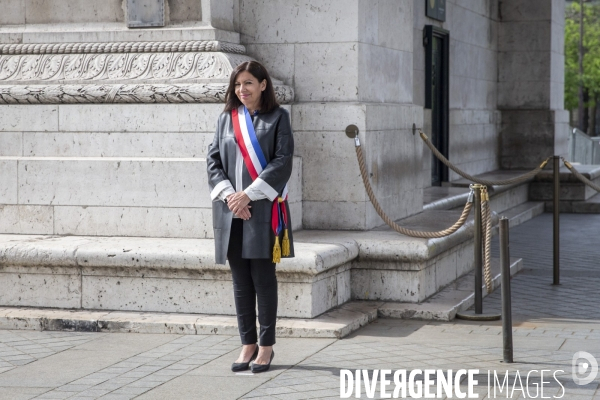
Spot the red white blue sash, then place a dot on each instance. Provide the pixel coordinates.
(255, 162)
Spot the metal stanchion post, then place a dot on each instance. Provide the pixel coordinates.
(556, 223)
(478, 314)
(478, 255)
(506, 300)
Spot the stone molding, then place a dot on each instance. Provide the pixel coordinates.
(122, 47)
(121, 72)
(118, 66)
(125, 93)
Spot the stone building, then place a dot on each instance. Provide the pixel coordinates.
(107, 108)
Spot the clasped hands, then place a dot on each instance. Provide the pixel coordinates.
(238, 204)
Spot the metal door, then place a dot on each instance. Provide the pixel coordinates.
(436, 98)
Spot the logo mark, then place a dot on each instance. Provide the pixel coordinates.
(582, 367)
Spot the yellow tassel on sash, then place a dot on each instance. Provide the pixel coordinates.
(276, 251)
(285, 244)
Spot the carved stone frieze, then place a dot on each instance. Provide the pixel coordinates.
(124, 93)
(118, 66)
(122, 47)
(133, 72)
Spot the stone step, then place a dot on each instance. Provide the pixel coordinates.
(160, 275)
(457, 297)
(113, 196)
(179, 275)
(336, 323)
(523, 212)
(571, 188)
(589, 206)
(502, 197)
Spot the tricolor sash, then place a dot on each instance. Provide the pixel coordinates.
(255, 162)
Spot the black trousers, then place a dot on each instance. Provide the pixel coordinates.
(253, 279)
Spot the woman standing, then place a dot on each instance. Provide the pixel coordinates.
(249, 164)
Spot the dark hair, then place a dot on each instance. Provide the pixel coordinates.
(268, 102)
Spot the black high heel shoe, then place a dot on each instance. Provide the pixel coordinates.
(237, 367)
(256, 368)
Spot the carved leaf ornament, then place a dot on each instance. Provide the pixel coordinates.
(148, 73)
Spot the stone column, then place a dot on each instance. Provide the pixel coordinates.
(218, 13)
(531, 82)
(350, 62)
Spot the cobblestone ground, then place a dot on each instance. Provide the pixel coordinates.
(551, 324)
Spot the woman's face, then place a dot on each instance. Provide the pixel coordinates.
(249, 90)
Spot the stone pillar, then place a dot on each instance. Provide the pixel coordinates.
(218, 13)
(531, 82)
(352, 66)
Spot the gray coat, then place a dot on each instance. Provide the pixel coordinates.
(274, 133)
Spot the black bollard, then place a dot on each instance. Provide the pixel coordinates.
(506, 300)
(556, 222)
(478, 255)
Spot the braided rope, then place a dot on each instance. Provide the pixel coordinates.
(487, 239)
(408, 232)
(121, 47)
(580, 176)
(518, 179)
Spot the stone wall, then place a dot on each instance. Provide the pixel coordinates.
(531, 82)
(353, 66)
(473, 130)
(27, 12)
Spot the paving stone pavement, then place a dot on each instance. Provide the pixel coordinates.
(551, 323)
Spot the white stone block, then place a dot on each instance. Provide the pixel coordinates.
(334, 215)
(13, 12)
(21, 288)
(371, 284)
(155, 294)
(296, 215)
(69, 11)
(524, 95)
(327, 117)
(148, 255)
(393, 117)
(10, 144)
(532, 10)
(329, 168)
(524, 36)
(327, 72)
(299, 22)
(114, 182)
(524, 66)
(386, 23)
(28, 118)
(218, 14)
(8, 177)
(114, 144)
(384, 75)
(133, 221)
(116, 32)
(482, 8)
(471, 27)
(26, 219)
(278, 59)
(138, 117)
(184, 10)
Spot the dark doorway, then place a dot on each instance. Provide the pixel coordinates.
(437, 43)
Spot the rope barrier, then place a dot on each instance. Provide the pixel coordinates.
(518, 179)
(580, 176)
(486, 215)
(405, 231)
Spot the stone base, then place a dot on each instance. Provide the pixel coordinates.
(333, 324)
(571, 188)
